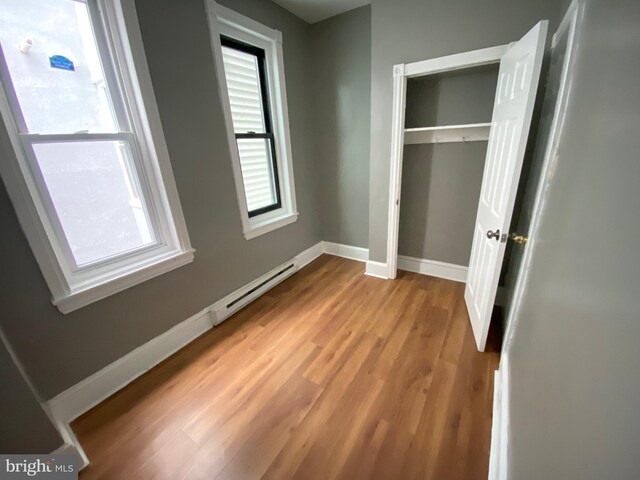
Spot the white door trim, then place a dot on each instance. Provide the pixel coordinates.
(401, 72)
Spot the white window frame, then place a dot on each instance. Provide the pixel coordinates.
(71, 286)
(223, 21)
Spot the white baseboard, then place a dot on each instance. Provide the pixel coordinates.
(376, 269)
(498, 456)
(360, 254)
(346, 251)
(74, 450)
(71, 445)
(309, 255)
(76, 400)
(65, 449)
(448, 271)
(86, 394)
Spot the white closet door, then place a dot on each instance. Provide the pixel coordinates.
(512, 110)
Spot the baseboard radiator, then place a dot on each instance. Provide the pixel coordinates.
(238, 299)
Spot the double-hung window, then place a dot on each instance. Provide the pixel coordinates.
(91, 181)
(251, 76)
(246, 79)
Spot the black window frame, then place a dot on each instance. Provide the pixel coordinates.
(268, 134)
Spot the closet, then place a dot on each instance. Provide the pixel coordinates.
(446, 130)
(448, 113)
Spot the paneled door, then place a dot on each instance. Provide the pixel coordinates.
(515, 97)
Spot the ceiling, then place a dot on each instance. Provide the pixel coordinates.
(312, 11)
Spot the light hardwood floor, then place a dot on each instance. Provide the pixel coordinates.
(330, 375)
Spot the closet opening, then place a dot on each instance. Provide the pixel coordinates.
(441, 130)
(446, 130)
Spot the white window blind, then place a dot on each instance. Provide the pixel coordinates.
(243, 84)
(251, 124)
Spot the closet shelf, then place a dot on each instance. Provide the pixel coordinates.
(474, 132)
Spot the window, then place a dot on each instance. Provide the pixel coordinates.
(92, 186)
(251, 76)
(244, 68)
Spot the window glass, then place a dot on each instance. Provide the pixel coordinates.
(55, 68)
(243, 82)
(257, 172)
(96, 197)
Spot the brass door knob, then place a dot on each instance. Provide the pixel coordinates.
(519, 239)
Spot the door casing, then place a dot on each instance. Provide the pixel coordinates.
(401, 73)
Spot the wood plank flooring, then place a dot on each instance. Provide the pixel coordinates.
(330, 375)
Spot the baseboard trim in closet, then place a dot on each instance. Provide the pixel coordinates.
(448, 271)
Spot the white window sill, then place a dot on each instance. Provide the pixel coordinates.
(81, 297)
(268, 225)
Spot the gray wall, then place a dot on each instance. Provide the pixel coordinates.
(441, 183)
(575, 388)
(452, 98)
(412, 30)
(25, 426)
(440, 192)
(342, 93)
(60, 350)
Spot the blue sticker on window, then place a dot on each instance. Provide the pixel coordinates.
(61, 62)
